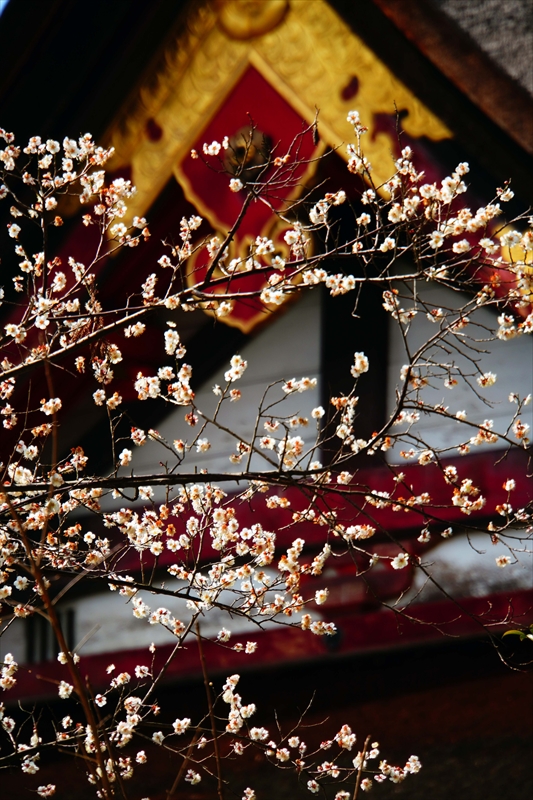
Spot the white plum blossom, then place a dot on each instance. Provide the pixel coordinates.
(360, 365)
(400, 561)
(65, 690)
(487, 379)
(503, 561)
(388, 244)
(317, 501)
(238, 365)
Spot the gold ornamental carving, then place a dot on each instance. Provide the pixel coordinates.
(244, 19)
(303, 49)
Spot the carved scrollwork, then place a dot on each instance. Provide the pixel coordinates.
(308, 67)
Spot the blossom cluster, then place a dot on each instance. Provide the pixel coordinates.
(185, 555)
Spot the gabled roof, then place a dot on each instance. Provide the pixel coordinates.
(461, 58)
(503, 29)
(66, 71)
(490, 114)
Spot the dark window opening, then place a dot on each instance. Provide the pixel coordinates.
(41, 643)
(347, 330)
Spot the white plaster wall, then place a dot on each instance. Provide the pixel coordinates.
(512, 361)
(288, 348)
(13, 641)
(466, 567)
(105, 620)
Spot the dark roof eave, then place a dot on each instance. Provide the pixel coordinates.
(458, 57)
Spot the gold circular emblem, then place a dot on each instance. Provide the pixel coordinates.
(244, 19)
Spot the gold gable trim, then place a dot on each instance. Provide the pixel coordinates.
(309, 56)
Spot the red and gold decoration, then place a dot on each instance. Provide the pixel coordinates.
(269, 66)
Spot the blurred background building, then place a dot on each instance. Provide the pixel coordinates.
(157, 79)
